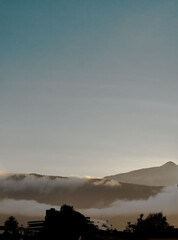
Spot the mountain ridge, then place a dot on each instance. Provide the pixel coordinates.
(164, 175)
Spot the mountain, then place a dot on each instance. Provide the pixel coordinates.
(118, 198)
(79, 192)
(164, 175)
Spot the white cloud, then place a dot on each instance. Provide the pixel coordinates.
(165, 202)
(11, 183)
(24, 207)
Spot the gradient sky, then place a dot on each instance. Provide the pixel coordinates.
(88, 87)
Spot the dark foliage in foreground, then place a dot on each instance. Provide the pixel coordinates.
(68, 224)
(154, 225)
(11, 229)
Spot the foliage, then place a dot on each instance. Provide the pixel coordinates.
(11, 224)
(67, 224)
(154, 224)
(66, 208)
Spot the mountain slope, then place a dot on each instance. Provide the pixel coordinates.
(80, 192)
(164, 175)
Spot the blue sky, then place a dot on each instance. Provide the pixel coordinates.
(88, 87)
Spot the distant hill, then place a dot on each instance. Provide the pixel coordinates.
(118, 198)
(79, 192)
(164, 175)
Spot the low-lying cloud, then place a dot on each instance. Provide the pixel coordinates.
(79, 192)
(24, 207)
(31, 195)
(42, 184)
(166, 202)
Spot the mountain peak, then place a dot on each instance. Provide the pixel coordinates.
(164, 175)
(169, 164)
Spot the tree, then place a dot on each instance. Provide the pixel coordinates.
(11, 225)
(67, 208)
(155, 224)
(67, 224)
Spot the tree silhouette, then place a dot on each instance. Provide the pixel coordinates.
(155, 224)
(66, 208)
(66, 224)
(11, 225)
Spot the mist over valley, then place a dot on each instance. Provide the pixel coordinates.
(111, 197)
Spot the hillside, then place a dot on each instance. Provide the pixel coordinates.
(164, 175)
(80, 192)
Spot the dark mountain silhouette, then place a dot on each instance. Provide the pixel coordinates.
(164, 175)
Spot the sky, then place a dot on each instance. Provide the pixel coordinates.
(88, 88)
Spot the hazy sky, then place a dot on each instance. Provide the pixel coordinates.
(88, 87)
